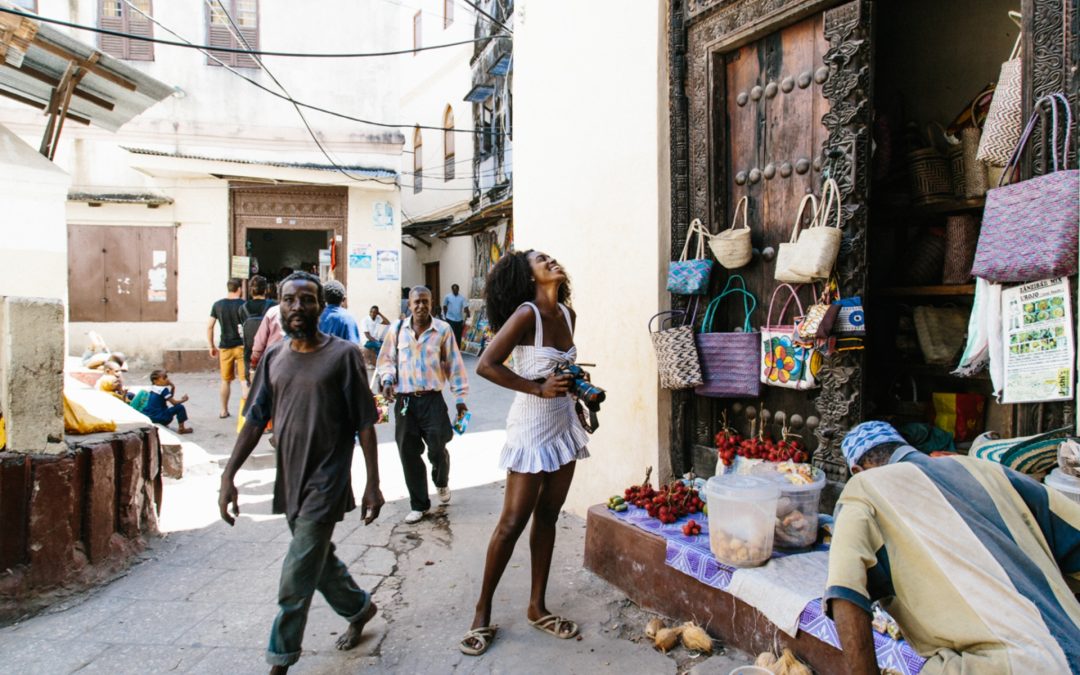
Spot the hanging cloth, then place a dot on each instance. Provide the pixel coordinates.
(985, 344)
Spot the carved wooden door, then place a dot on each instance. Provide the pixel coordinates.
(778, 91)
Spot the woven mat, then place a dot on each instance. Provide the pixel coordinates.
(692, 556)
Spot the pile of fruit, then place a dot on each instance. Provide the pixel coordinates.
(617, 503)
(668, 504)
(729, 444)
(691, 528)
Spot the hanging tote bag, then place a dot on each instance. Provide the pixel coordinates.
(819, 244)
(676, 352)
(1029, 229)
(1005, 117)
(785, 253)
(732, 247)
(785, 362)
(729, 361)
(690, 276)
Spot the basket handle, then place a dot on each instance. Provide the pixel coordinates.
(1053, 100)
(749, 304)
(695, 228)
(744, 204)
(808, 198)
(829, 191)
(794, 296)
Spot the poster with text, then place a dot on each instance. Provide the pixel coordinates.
(388, 262)
(240, 267)
(1039, 343)
(360, 256)
(382, 215)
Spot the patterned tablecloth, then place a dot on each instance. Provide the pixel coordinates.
(692, 556)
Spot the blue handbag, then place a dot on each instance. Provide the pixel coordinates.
(691, 276)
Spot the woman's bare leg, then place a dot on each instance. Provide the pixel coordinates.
(522, 490)
(542, 538)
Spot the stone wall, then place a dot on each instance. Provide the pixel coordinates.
(72, 520)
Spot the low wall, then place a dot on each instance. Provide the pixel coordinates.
(72, 520)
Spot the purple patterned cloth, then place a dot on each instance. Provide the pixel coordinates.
(692, 556)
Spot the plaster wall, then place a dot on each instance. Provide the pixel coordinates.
(606, 216)
(31, 374)
(364, 288)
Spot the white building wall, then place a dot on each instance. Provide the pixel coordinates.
(591, 189)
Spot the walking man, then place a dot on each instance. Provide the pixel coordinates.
(335, 320)
(230, 347)
(418, 358)
(456, 311)
(373, 328)
(315, 388)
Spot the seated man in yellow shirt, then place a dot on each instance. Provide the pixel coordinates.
(977, 563)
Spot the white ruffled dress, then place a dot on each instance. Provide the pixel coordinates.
(542, 434)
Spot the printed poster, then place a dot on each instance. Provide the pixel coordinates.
(360, 256)
(1039, 342)
(382, 215)
(157, 278)
(388, 265)
(240, 267)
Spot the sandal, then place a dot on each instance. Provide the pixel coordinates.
(484, 636)
(564, 629)
(223, 416)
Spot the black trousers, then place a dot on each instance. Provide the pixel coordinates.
(458, 327)
(425, 423)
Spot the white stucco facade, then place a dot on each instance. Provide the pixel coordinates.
(239, 132)
(591, 188)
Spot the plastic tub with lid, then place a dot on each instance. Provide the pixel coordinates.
(1065, 484)
(797, 508)
(742, 512)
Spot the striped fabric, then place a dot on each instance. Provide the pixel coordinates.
(542, 434)
(969, 557)
(424, 364)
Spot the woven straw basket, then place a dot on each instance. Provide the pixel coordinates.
(729, 361)
(785, 253)
(732, 247)
(818, 245)
(676, 352)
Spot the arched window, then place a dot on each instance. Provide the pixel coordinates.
(418, 160)
(448, 144)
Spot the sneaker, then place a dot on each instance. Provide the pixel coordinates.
(415, 517)
(444, 494)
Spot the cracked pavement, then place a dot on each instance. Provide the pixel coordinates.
(203, 596)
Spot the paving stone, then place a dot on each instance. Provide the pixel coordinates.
(40, 656)
(233, 661)
(164, 583)
(150, 622)
(62, 623)
(233, 624)
(247, 555)
(142, 659)
(376, 560)
(240, 586)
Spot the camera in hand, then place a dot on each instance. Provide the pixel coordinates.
(584, 391)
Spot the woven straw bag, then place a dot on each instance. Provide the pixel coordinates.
(941, 332)
(961, 236)
(690, 276)
(1006, 117)
(676, 352)
(818, 245)
(732, 247)
(786, 252)
(975, 183)
(729, 361)
(1029, 229)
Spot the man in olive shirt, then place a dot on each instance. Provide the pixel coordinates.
(230, 347)
(315, 388)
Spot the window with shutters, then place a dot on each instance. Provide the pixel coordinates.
(241, 32)
(117, 15)
(416, 32)
(418, 160)
(121, 273)
(448, 144)
(447, 13)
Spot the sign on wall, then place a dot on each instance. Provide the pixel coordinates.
(240, 267)
(388, 263)
(1039, 352)
(382, 216)
(360, 256)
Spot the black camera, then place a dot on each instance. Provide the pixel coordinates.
(584, 391)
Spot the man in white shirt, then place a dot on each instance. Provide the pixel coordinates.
(373, 328)
(456, 311)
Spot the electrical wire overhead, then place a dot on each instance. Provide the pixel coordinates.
(237, 50)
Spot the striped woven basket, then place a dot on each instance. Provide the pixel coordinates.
(1033, 455)
(676, 352)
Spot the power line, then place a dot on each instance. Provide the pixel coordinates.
(490, 18)
(237, 50)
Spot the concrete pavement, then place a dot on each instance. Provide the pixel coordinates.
(203, 598)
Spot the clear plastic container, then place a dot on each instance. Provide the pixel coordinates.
(742, 513)
(796, 526)
(1065, 484)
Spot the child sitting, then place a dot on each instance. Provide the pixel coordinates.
(110, 382)
(162, 405)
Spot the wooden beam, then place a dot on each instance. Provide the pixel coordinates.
(101, 72)
(420, 239)
(50, 80)
(405, 243)
(41, 106)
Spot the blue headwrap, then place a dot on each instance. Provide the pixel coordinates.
(865, 437)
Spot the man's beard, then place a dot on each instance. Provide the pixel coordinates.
(305, 331)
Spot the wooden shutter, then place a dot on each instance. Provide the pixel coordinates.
(448, 145)
(86, 274)
(137, 24)
(116, 273)
(219, 33)
(111, 19)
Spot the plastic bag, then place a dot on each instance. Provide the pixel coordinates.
(1069, 457)
(77, 420)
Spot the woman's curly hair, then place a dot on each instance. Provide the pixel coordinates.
(509, 284)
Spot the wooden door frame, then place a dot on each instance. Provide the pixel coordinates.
(335, 217)
(435, 289)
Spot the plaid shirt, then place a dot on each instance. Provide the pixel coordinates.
(424, 364)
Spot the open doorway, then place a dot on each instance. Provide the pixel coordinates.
(277, 253)
(431, 280)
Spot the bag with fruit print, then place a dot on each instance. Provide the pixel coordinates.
(785, 362)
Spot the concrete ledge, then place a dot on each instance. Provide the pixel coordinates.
(633, 560)
(189, 361)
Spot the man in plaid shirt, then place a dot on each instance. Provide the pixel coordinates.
(418, 358)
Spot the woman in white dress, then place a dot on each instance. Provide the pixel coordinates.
(527, 303)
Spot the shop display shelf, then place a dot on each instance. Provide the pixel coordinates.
(947, 206)
(927, 291)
